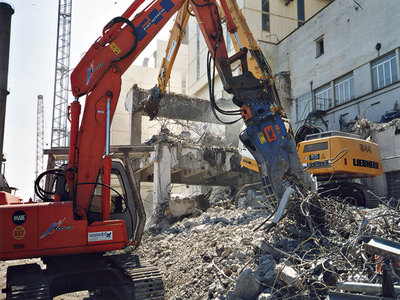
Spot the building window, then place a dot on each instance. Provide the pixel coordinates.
(300, 12)
(344, 89)
(393, 184)
(319, 43)
(265, 15)
(384, 71)
(198, 52)
(303, 106)
(323, 97)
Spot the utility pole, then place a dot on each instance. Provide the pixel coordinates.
(6, 11)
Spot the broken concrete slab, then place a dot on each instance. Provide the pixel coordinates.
(173, 105)
(247, 286)
(286, 273)
(178, 207)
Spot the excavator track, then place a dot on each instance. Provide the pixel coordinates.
(118, 276)
(147, 280)
(354, 193)
(26, 282)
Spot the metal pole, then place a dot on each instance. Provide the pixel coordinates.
(108, 126)
(107, 164)
(314, 104)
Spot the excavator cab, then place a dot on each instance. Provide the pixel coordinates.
(122, 204)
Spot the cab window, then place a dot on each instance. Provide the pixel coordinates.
(117, 204)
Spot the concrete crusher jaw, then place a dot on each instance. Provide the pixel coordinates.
(119, 276)
(276, 165)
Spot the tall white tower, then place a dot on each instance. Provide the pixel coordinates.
(59, 131)
(39, 137)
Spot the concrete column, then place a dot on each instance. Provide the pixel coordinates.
(136, 128)
(162, 175)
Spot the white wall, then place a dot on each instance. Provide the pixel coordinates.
(350, 34)
(350, 31)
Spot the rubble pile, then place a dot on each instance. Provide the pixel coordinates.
(186, 137)
(319, 246)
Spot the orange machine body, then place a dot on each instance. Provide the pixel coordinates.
(63, 227)
(47, 229)
(98, 75)
(340, 155)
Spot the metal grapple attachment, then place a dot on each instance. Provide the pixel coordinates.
(274, 149)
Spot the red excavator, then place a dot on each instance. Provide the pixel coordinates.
(92, 208)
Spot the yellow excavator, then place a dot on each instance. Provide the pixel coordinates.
(337, 158)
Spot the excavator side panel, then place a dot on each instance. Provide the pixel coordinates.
(49, 229)
(342, 157)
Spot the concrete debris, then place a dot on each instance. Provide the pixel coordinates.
(178, 207)
(219, 255)
(265, 296)
(252, 197)
(178, 106)
(366, 128)
(247, 286)
(185, 137)
(286, 273)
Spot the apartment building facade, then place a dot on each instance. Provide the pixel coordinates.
(344, 65)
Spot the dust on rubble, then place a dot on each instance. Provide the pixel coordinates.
(220, 253)
(318, 244)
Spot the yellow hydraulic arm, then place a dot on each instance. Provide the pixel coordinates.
(243, 38)
(256, 76)
(175, 40)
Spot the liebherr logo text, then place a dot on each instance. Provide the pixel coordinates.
(365, 163)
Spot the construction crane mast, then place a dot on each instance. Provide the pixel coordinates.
(39, 137)
(59, 132)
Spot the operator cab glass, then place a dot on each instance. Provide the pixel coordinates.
(122, 204)
(118, 194)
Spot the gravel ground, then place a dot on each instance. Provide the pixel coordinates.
(219, 254)
(201, 257)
